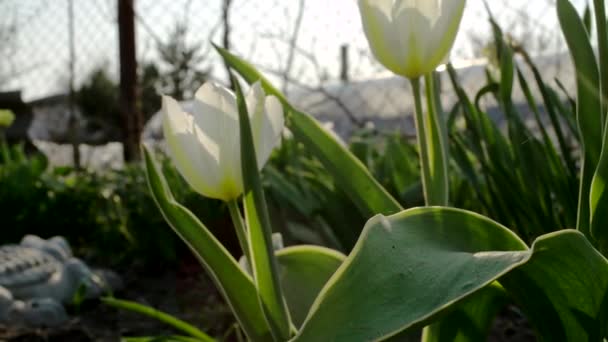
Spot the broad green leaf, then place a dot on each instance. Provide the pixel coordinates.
(303, 271)
(409, 269)
(235, 285)
(406, 269)
(349, 173)
(562, 288)
(263, 262)
(589, 115)
(160, 316)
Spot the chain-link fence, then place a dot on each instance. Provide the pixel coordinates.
(313, 49)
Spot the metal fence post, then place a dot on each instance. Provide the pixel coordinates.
(132, 118)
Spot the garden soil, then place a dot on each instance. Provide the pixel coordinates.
(186, 292)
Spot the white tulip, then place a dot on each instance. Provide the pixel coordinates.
(205, 144)
(411, 37)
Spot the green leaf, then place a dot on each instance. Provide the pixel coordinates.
(249, 73)
(349, 173)
(564, 281)
(472, 319)
(587, 18)
(158, 315)
(409, 269)
(172, 338)
(303, 271)
(599, 193)
(563, 294)
(263, 262)
(406, 269)
(602, 43)
(551, 104)
(589, 114)
(235, 285)
(599, 200)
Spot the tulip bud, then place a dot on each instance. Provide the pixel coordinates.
(205, 144)
(6, 118)
(411, 37)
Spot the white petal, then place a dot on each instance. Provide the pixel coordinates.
(217, 117)
(267, 122)
(413, 21)
(267, 126)
(187, 149)
(215, 111)
(377, 24)
(445, 30)
(255, 108)
(255, 99)
(427, 8)
(217, 96)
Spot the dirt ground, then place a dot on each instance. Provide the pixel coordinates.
(186, 292)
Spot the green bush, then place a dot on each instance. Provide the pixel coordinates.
(107, 215)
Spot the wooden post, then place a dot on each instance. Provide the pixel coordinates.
(344, 64)
(226, 37)
(73, 127)
(132, 118)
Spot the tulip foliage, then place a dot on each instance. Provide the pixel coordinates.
(442, 268)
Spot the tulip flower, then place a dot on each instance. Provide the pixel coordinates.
(205, 144)
(411, 37)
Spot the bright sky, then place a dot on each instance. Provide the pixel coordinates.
(42, 53)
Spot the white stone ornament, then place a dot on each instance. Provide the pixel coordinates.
(37, 277)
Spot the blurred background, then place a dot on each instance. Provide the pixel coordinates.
(84, 78)
(61, 64)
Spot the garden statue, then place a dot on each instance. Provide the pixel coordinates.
(37, 277)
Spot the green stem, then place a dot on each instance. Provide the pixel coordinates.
(158, 315)
(422, 143)
(437, 143)
(602, 40)
(239, 226)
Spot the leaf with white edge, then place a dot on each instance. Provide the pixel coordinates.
(408, 268)
(263, 262)
(349, 173)
(234, 284)
(562, 288)
(303, 271)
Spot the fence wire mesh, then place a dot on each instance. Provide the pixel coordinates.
(300, 44)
